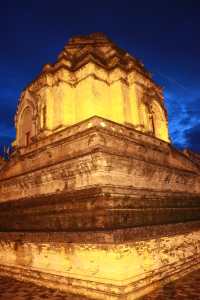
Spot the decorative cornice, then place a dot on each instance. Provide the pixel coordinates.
(82, 50)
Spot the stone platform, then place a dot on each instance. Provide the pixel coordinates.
(95, 200)
(184, 288)
(97, 245)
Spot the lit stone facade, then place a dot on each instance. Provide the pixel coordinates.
(92, 76)
(95, 200)
(103, 271)
(98, 152)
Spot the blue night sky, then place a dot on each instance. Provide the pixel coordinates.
(164, 33)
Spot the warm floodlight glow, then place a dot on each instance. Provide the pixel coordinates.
(103, 124)
(90, 125)
(139, 104)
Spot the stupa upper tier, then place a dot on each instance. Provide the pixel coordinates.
(92, 76)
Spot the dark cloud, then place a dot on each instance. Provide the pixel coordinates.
(192, 138)
(191, 112)
(193, 107)
(185, 121)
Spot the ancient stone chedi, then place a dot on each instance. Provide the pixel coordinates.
(95, 200)
(92, 76)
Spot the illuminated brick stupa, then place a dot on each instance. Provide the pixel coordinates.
(94, 199)
(92, 77)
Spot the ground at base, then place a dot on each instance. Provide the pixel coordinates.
(187, 287)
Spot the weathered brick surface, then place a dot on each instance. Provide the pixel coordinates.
(90, 209)
(99, 203)
(186, 288)
(123, 270)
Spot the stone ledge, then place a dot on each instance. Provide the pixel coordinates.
(117, 271)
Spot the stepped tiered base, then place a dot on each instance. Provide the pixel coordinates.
(99, 209)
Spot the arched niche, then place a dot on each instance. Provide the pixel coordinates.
(26, 118)
(159, 125)
(25, 127)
